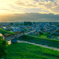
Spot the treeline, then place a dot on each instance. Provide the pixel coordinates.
(27, 23)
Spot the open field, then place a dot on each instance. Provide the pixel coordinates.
(29, 51)
(42, 41)
(45, 36)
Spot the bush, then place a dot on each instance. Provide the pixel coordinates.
(3, 45)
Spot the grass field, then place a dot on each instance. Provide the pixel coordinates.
(45, 36)
(40, 40)
(5, 32)
(28, 51)
(42, 36)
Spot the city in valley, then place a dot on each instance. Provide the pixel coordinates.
(42, 29)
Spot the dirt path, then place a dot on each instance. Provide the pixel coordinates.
(39, 45)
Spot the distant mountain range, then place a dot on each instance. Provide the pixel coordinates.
(29, 17)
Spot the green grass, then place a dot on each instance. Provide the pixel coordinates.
(43, 36)
(29, 51)
(5, 32)
(40, 40)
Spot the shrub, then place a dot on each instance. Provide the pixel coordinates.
(3, 45)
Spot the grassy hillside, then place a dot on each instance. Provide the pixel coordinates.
(28, 51)
(39, 40)
(5, 32)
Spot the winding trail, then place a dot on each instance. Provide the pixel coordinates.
(45, 46)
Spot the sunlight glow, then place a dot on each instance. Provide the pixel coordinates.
(23, 6)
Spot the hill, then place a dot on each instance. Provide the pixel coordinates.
(29, 51)
(5, 32)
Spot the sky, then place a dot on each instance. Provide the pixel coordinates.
(21, 7)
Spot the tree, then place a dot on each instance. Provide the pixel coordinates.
(3, 45)
(27, 23)
(41, 33)
(11, 23)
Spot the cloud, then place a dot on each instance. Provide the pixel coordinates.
(23, 6)
(26, 3)
(52, 7)
(9, 7)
